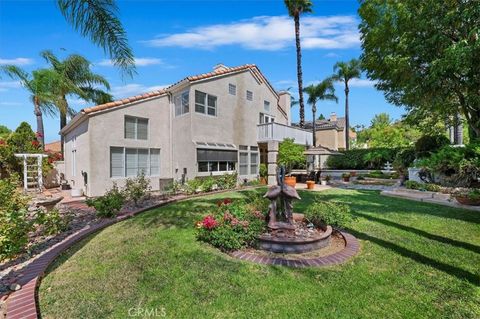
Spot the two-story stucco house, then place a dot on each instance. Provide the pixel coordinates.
(209, 124)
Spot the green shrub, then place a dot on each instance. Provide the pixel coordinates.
(136, 189)
(227, 181)
(208, 184)
(428, 144)
(109, 204)
(263, 170)
(372, 158)
(430, 187)
(412, 185)
(291, 155)
(403, 160)
(52, 222)
(192, 186)
(232, 226)
(322, 213)
(14, 222)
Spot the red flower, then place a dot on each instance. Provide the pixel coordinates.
(227, 216)
(209, 222)
(258, 214)
(227, 201)
(35, 143)
(2, 142)
(38, 134)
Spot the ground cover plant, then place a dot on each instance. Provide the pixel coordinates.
(417, 260)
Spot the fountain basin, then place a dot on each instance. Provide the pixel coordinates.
(295, 244)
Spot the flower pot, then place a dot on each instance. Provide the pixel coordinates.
(291, 180)
(310, 184)
(346, 179)
(324, 183)
(465, 200)
(263, 181)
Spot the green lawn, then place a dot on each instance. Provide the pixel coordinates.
(417, 261)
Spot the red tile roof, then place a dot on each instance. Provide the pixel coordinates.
(54, 147)
(219, 72)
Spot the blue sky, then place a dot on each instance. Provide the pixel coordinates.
(173, 39)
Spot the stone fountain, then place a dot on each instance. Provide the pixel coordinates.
(287, 232)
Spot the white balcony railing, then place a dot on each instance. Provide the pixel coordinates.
(278, 132)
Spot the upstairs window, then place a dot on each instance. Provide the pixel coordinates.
(249, 95)
(266, 106)
(136, 128)
(205, 103)
(232, 89)
(181, 103)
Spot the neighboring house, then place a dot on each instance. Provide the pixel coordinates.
(220, 122)
(53, 147)
(330, 132)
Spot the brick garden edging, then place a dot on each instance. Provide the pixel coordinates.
(352, 247)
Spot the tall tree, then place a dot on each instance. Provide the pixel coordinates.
(40, 85)
(77, 79)
(319, 92)
(344, 72)
(295, 9)
(424, 55)
(97, 20)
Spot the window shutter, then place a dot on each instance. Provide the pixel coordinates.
(116, 162)
(131, 161)
(130, 127)
(154, 161)
(142, 129)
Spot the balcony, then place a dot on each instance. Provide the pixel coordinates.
(278, 132)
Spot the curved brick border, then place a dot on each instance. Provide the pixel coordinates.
(22, 304)
(352, 247)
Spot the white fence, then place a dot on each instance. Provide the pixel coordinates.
(278, 132)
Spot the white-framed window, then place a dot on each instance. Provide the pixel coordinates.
(253, 160)
(266, 106)
(74, 156)
(211, 160)
(136, 128)
(181, 103)
(265, 118)
(130, 162)
(232, 89)
(243, 160)
(249, 95)
(205, 103)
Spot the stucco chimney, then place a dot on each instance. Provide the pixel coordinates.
(285, 101)
(333, 117)
(220, 67)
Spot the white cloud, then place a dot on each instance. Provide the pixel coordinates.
(361, 83)
(16, 61)
(268, 33)
(6, 85)
(138, 62)
(10, 103)
(133, 89)
(332, 55)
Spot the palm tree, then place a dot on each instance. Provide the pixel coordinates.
(295, 9)
(75, 78)
(344, 72)
(39, 84)
(322, 91)
(97, 20)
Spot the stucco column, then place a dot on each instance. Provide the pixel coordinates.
(272, 149)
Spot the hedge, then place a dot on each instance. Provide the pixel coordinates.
(370, 158)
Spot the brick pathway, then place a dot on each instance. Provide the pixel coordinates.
(352, 247)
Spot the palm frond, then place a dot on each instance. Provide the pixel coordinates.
(16, 73)
(97, 20)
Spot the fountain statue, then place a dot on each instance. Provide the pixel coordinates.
(281, 196)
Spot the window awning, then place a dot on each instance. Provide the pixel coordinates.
(211, 155)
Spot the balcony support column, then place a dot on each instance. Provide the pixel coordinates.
(272, 149)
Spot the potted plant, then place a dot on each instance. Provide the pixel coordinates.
(290, 155)
(263, 171)
(325, 180)
(353, 173)
(469, 197)
(310, 184)
(346, 177)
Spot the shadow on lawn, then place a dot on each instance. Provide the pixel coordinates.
(449, 269)
(445, 240)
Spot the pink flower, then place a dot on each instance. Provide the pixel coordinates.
(209, 222)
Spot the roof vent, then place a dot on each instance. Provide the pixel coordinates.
(220, 67)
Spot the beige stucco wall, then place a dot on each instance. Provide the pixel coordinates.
(81, 135)
(328, 138)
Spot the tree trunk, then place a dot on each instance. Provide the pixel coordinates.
(299, 70)
(347, 119)
(314, 110)
(63, 121)
(40, 131)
